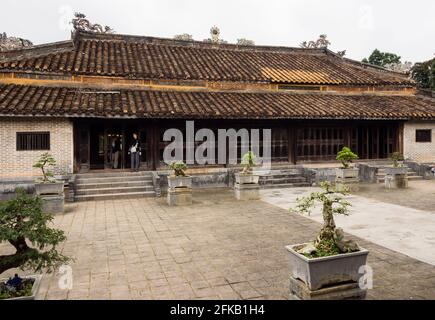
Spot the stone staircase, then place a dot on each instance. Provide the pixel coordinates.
(113, 185)
(282, 178)
(412, 175)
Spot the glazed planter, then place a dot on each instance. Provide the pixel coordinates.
(326, 271)
(246, 178)
(396, 170)
(179, 182)
(49, 188)
(35, 287)
(342, 173)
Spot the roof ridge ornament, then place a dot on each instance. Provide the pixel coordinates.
(215, 33)
(215, 36)
(13, 43)
(80, 23)
(321, 43)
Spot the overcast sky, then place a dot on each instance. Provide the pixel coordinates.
(400, 26)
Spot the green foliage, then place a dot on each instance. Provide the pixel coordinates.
(44, 161)
(22, 219)
(346, 156)
(396, 157)
(424, 74)
(329, 240)
(249, 161)
(179, 168)
(381, 59)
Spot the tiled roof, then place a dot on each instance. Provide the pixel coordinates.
(73, 101)
(155, 58)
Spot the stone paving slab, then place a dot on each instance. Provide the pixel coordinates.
(218, 248)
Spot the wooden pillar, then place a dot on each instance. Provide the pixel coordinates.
(348, 137)
(153, 145)
(399, 139)
(291, 140)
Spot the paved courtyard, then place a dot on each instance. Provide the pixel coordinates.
(217, 248)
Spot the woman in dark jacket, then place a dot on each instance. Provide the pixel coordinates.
(134, 151)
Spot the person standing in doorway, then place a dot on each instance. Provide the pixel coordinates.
(116, 151)
(135, 153)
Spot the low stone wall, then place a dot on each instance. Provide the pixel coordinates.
(422, 169)
(367, 173)
(213, 179)
(317, 175)
(7, 188)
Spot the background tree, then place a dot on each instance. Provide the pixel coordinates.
(424, 74)
(381, 59)
(22, 220)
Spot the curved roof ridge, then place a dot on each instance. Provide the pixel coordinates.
(37, 50)
(87, 35)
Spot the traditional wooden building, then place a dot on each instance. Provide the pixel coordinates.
(73, 97)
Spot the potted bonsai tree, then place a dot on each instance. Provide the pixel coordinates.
(179, 179)
(346, 156)
(23, 222)
(249, 161)
(398, 167)
(330, 259)
(47, 185)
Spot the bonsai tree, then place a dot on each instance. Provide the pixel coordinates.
(23, 222)
(179, 168)
(396, 157)
(44, 161)
(248, 161)
(330, 240)
(346, 156)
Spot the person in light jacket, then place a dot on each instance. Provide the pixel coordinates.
(134, 151)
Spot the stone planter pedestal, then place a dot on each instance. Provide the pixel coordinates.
(396, 181)
(346, 291)
(179, 191)
(396, 177)
(53, 203)
(348, 177)
(332, 277)
(52, 195)
(246, 187)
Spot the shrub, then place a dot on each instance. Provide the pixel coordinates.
(22, 220)
(396, 157)
(248, 161)
(44, 161)
(346, 156)
(179, 168)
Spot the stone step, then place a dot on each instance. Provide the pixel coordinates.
(278, 175)
(81, 180)
(118, 184)
(113, 174)
(285, 185)
(122, 190)
(113, 196)
(282, 180)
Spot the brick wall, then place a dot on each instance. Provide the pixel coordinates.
(18, 164)
(419, 151)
